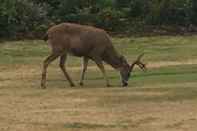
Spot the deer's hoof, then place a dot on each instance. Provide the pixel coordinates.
(125, 84)
(43, 86)
(81, 83)
(72, 85)
(108, 85)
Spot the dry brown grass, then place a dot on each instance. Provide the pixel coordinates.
(24, 106)
(82, 109)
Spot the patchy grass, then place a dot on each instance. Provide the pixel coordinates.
(163, 98)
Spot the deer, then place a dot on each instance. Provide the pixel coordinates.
(89, 43)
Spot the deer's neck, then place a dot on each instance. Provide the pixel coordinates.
(112, 57)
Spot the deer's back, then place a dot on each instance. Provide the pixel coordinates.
(78, 40)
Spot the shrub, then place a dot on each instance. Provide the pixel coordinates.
(21, 18)
(110, 19)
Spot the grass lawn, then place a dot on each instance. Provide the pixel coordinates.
(161, 99)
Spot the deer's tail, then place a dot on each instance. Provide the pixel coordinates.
(45, 38)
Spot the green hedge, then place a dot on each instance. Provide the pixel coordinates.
(31, 18)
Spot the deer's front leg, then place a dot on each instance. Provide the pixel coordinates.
(100, 65)
(84, 68)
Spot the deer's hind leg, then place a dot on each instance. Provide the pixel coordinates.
(46, 63)
(62, 66)
(84, 68)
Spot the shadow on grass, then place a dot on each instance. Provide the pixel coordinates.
(175, 94)
(149, 74)
(91, 126)
(165, 73)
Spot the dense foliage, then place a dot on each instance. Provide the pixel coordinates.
(30, 18)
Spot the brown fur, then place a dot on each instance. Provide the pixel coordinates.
(82, 41)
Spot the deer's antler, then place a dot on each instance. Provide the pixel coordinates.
(139, 63)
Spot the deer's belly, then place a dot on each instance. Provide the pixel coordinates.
(77, 52)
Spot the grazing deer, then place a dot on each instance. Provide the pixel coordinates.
(89, 43)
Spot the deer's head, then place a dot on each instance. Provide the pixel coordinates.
(126, 69)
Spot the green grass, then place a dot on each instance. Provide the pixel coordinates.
(22, 52)
(160, 48)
